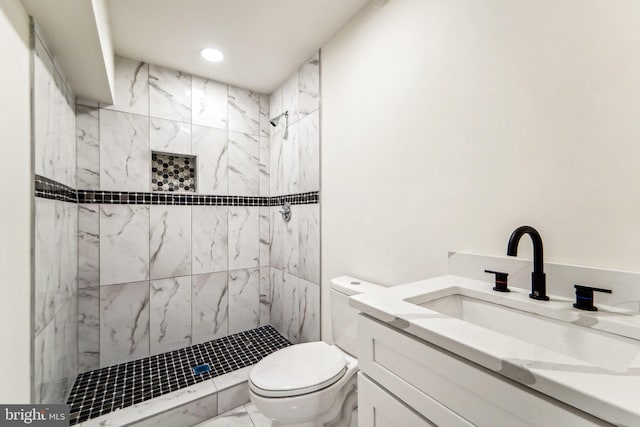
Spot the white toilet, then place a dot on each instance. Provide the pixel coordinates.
(314, 384)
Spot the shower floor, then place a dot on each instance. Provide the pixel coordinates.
(105, 390)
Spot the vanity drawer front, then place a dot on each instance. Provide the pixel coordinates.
(419, 373)
(378, 408)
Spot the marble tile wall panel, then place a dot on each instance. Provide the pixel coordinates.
(88, 329)
(309, 86)
(209, 238)
(88, 147)
(124, 243)
(244, 111)
(244, 164)
(290, 97)
(170, 320)
(309, 242)
(290, 307)
(66, 345)
(290, 159)
(210, 306)
(275, 105)
(265, 127)
(209, 103)
(290, 241)
(44, 369)
(309, 153)
(309, 311)
(265, 296)
(187, 415)
(244, 237)
(277, 302)
(265, 242)
(276, 146)
(233, 397)
(88, 245)
(169, 94)
(124, 322)
(244, 300)
(168, 136)
(276, 238)
(170, 241)
(210, 145)
(67, 229)
(131, 87)
(124, 152)
(264, 166)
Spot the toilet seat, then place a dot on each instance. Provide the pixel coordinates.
(298, 369)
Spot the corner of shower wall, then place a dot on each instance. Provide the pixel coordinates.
(55, 303)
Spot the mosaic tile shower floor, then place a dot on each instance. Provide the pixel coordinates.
(104, 390)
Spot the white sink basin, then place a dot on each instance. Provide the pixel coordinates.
(609, 351)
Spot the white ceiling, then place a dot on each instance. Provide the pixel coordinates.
(263, 41)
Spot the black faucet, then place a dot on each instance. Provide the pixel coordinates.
(538, 281)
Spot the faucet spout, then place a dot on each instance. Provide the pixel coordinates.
(538, 280)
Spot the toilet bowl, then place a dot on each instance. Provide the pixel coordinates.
(314, 384)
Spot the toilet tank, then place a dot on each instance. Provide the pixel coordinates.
(343, 316)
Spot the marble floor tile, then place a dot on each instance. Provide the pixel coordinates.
(170, 319)
(169, 94)
(244, 300)
(131, 87)
(209, 103)
(210, 145)
(124, 322)
(259, 420)
(244, 237)
(210, 238)
(170, 241)
(244, 164)
(168, 136)
(210, 306)
(237, 417)
(233, 397)
(244, 111)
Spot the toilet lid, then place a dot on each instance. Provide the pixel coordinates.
(298, 369)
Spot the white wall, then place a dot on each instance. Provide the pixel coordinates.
(446, 124)
(15, 215)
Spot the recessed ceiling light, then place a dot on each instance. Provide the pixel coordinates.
(213, 55)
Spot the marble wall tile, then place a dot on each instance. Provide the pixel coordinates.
(47, 277)
(44, 364)
(309, 311)
(290, 307)
(168, 136)
(170, 321)
(275, 104)
(88, 329)
(265, 242)
(290, 97)
(276, 238)
(309, 153)
(244, 164)
(66, 346)
(265, 126)
(277, 303)
(124, 322)
(67, 229)
(309, 242)
(265, 296)
(131, 87)
(88, 245)
(265, 160)
(209, 236)
(210, 145)
(124, 152)
(210, 306)
(124, 243)
(169, 94)
(88, 147)
(244, 111)
(244, 300)
(309, 86)
(244, 237)
(209, 103)
(290, 159)
(290, 241)
(170, 241)
(276, 147)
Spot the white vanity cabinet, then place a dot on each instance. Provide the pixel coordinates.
(405, 381)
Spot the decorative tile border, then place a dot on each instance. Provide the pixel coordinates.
(49, 189)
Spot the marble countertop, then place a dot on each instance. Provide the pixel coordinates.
(607, 393)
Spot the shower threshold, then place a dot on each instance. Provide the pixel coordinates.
(136, 391)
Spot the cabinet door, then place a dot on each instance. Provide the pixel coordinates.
(378, 408)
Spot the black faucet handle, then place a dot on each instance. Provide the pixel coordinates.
(584, 297)
(501, 280)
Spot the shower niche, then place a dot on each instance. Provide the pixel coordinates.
(172, 172)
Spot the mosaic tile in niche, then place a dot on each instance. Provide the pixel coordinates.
(172, 172)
